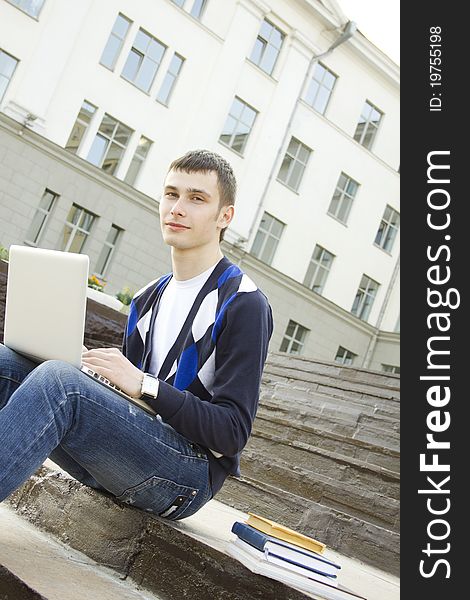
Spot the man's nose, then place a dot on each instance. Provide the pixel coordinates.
(178, 208)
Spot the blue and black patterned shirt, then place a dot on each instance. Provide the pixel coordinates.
(210, 378)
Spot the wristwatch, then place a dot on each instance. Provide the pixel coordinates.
(149, 387)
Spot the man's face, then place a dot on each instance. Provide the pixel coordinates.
(190, 216)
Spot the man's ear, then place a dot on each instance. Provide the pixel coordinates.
(226, 215)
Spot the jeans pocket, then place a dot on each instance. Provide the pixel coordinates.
(161, 497)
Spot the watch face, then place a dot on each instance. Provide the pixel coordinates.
(150, 386)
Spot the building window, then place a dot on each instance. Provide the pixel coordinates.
(198, 8)
(238, 125)
(294, 338)
(168, 84)
(267, 238)
(318, 269)
(7, 68)
(267, 47)
(107, 251)
(81, 124)
(365, 297)
(41, 217)
(76, 229)
(388, 229)
(115, 41)
(31, 7)
(391, 369)
(320, 88)
(368, 125)
(137, 161)
(109, 144)
(344, 357)
(342, 200)
(397, 325)
(294, 163)
(143, 61)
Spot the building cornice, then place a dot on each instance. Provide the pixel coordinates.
(335, 19)
(258, 8)
(80, 165)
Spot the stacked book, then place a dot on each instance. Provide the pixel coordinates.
(270, 549)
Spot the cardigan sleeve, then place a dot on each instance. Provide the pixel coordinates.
(224, 423)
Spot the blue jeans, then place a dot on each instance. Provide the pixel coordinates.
(54, 410)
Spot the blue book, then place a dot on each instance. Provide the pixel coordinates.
(293, 556)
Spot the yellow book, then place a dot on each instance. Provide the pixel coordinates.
(284, 533)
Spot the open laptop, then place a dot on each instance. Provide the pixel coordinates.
(46, 306)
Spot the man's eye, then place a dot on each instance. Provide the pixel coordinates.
(171, 194)
(198, 198)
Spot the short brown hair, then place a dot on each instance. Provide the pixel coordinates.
(196, 161)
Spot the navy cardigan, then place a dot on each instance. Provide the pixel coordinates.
(210, 379)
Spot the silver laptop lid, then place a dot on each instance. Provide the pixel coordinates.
(46, 303)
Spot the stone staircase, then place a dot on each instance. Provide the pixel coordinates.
(324, 454)
(324, 457)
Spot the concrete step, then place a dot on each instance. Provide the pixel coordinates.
(353, 495)
(175, 560)
(341, 531)
(335, 370)
(327, 385)
(36, 566)
(373, 431)
(302, 394)
(299, 434)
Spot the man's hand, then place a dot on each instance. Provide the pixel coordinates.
(113, 365)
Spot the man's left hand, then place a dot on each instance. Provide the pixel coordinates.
(113, 365)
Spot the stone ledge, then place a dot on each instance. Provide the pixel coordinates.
(12, 587)
(175, 560)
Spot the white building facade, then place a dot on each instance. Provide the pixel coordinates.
(116, 90)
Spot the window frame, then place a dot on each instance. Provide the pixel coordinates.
(344, 197)
(80, 121)
(394, 369)
(9, 80)
(294, 161)
(367, 123)
(267, 234)
(143, 56)
(363, 309)
(325, 271)
(320, 85)
(347, 358)
(175, 78)
(110, 141)
(121, 45)
(112, 249)
(46, 216)
(234, 134)
(292, 339)
(23, 10)
(266, 43)
(137, 158)
(388, 226)
(76, 228)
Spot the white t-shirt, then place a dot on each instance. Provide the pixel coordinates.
(175, 304)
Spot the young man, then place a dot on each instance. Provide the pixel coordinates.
(194, 349)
